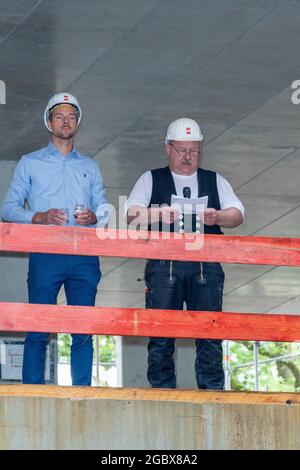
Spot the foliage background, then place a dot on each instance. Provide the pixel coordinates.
(107, 352)
(282, 374)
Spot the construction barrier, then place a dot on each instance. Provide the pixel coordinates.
(51, 417)
(142, 322)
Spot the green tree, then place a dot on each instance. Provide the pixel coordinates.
(107, 349)
(281, 374)
(63, 346)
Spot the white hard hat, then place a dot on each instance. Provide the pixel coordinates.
(184, 129)
(62, 98)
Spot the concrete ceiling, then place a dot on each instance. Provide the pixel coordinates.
(136, 65)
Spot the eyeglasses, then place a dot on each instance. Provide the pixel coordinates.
(183, 152)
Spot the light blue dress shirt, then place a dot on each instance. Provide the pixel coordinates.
(45, 179)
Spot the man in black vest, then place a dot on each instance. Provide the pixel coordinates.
(170, 284)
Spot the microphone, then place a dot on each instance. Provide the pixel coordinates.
(186, 221)
(186, 192)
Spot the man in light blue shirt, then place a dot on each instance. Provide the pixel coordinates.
(53, 181)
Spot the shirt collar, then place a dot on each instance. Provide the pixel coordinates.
(54, 151)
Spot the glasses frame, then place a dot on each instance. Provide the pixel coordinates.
(184, 152)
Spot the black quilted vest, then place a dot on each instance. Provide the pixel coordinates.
(164, 186)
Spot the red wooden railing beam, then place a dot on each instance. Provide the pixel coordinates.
(90, 241)
(141, 322)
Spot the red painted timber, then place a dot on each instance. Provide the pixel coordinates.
(84, 241)
(142, 322)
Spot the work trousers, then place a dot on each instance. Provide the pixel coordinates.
(200, 286)
(80, 276)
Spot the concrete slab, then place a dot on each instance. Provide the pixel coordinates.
(49, 417)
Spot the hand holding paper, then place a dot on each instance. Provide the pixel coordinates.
(189, 206)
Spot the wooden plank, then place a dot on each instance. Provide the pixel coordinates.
(148, 322)
(140, 394)
(100, 242)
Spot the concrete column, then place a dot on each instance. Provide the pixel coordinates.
(134, 359)
(13, 272)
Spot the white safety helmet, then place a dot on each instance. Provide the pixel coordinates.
(184, 129)
(62, 98)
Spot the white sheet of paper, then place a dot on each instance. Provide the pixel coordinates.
(189, 206)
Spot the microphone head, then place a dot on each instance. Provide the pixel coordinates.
(186, 192)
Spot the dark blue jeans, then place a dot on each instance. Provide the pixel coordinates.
(200, 286)
(80, 276)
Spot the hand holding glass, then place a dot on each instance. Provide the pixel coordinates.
(79, 207)
(65, 213)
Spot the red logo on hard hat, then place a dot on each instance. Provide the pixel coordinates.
(188, 130)
(66, 98)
